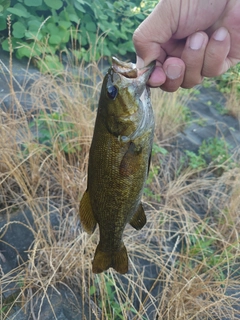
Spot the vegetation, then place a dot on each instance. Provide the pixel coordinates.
(228, 79)
(215, 151)
(54, 129)
(170, 108)
(45, 30)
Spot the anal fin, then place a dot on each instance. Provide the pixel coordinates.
(139, 218)
(86, 214)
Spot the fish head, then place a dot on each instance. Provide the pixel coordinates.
(123, 94)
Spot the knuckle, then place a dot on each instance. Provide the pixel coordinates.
(213, 63)
(190, 83)
(169, 88)
(135, 36)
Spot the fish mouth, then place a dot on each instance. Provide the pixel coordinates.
(132, 81)
(130, 71)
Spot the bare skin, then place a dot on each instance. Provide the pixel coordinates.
(189, 39)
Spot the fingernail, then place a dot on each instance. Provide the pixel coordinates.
(220, 34)
(196, 41)
(139, 62)
(173, 71)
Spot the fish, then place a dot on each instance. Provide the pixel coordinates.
(118, 165)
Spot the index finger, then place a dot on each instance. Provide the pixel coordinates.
(154, 31)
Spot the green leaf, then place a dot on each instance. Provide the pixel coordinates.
(33, 35)
(5, 4)
(73, 17)
(82, 38)
(112, 47)
(33, 3)
(157, 149)
(18, 12)
(18, 30)
(34, 25)
(87, 18)
(82, 2)
(91, 26)
(64, 35)
(104, 25)
(50, 64)
(5, 44)
(92, 37)
(122, 51)
(52, 28)
(70, 9)
(79, 7)
(102, 16)
(55, 39)
(106, 52)
(110, 5)
(140, 16)
(24, 51)
(54, 4)
(64, 24)
(3, 24)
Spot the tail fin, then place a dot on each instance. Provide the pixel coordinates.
(104, 260)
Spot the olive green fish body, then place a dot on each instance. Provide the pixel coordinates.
(118, 164)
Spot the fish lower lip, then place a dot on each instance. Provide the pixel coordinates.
(148, 69)
(144, 96)
(129, 70)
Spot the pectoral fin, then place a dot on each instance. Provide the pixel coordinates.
(139, 219)
(86, 214)
(129, 164)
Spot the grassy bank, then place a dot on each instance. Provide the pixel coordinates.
(43, 163)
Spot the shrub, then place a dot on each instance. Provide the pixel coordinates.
(45, 27)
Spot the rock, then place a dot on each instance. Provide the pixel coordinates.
(23, 77)
(17, 235)
(234, 308)
(16, 238)
(208, 122)
(60, 303)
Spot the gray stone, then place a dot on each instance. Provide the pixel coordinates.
(16, 238)
(234, 312)
(65, 304)
(214, 123)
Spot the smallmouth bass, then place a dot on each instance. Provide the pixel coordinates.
(118, 164)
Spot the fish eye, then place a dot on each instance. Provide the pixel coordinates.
(112, 92)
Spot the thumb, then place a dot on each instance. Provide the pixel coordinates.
(154, 31)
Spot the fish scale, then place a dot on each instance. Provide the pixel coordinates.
(118, 165)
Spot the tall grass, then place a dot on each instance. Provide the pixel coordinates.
(171, 114)
(181, 265)
(229, 84)
(232, 105)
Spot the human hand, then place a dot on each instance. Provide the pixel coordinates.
(189, 39)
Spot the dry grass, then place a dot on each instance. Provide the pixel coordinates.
(171, 113)
(232, 104)
(181, 266)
